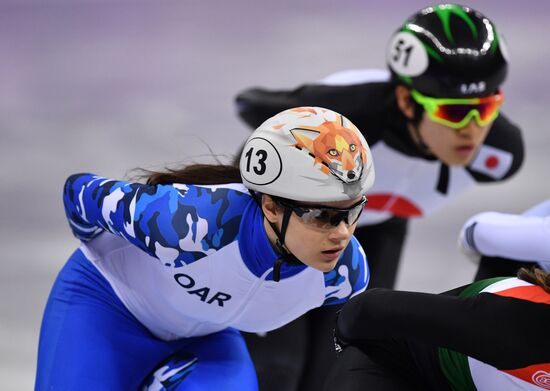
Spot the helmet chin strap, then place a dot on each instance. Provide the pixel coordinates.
(284, 254)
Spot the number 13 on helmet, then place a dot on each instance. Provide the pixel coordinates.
(308, 154)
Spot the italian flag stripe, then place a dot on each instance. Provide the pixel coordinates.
(531, 293)
(538, 374)
(455, 365)
(481, 286)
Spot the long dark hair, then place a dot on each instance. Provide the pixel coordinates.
(194, 174)
(535, 276)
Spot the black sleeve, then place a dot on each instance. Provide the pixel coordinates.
(504, 332)
(506, 136)
(255, 105)
(363, 104)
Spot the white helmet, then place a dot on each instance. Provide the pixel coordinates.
(308, 154)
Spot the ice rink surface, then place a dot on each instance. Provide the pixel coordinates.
(106, 86)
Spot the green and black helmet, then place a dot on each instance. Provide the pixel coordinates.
(449, 51)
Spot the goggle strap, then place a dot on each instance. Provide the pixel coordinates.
(285, 255)
(284, 226)
(280, 242)
(286, 217)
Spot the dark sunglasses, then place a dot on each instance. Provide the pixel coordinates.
(321, 216)
(458, 112)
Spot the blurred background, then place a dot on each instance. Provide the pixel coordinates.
(106, 86)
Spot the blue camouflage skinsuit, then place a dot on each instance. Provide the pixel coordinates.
(186, 268)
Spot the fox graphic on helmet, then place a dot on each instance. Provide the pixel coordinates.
(338, 152)
(308, 154)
